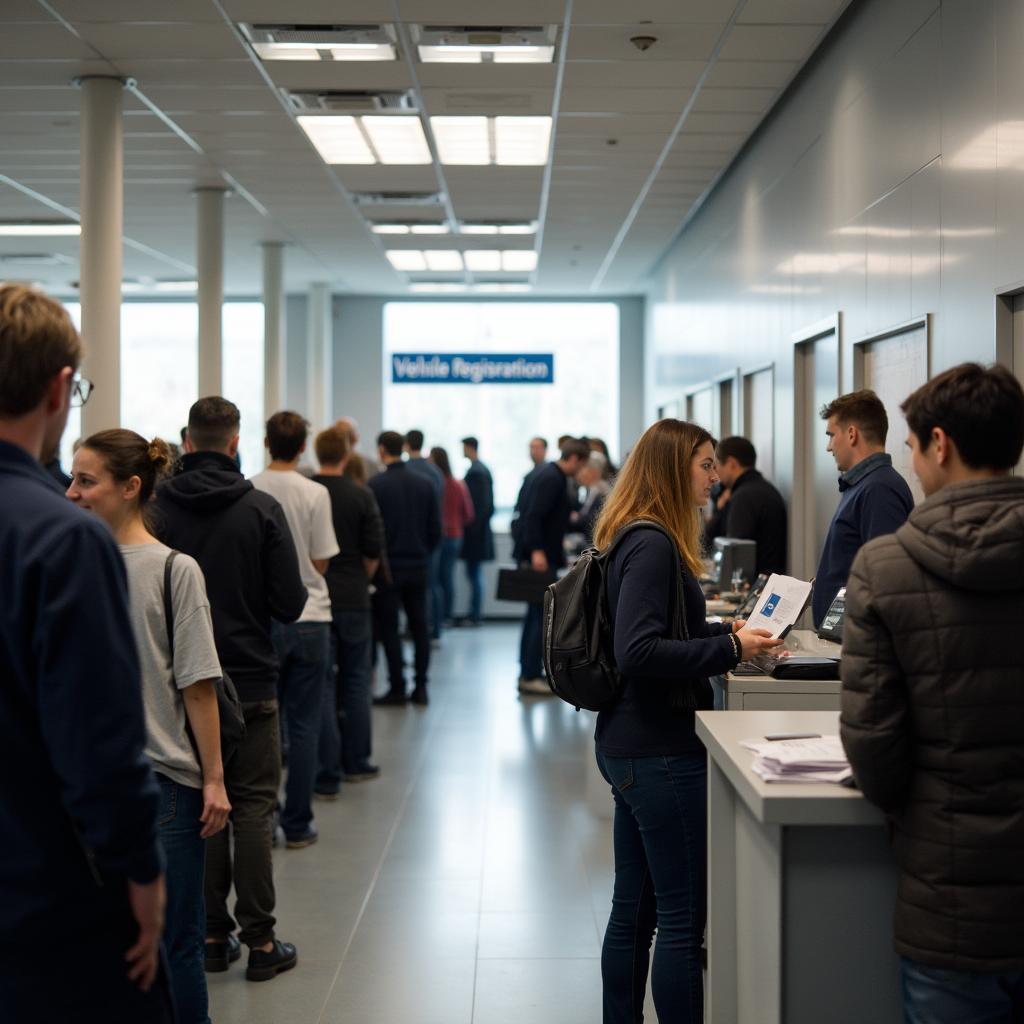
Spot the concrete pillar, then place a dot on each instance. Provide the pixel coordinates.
(210, 292)
(273, 328)
(101, 257)
(319, 361)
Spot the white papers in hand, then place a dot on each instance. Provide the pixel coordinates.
(781, 603)
(809, 760)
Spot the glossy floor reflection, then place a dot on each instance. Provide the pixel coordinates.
(470, 883)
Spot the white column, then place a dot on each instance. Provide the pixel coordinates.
(100, 251)
(210, 292)
(319, 362)
(273, 328)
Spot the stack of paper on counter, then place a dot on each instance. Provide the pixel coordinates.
(821, 759)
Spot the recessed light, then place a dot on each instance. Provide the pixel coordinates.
(502, 286)
(386, 139)
(462, 140)
(483, 259)
(406, 259)
(390, 229)
(175, 287)
(429, 229)
(39, 230)
(505, 141)
(443, 260)
(521, 141)
(519, 259)
(525, 228)
(498, 54)
(321, 42)
(397, 140)
(437, 287)
(302, 51)
(337, 139)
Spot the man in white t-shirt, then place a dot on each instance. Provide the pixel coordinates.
(303, 647)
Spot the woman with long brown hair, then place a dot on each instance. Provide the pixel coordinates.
(647, 749)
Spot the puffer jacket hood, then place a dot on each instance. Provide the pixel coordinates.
(971, 534)
(208, 483)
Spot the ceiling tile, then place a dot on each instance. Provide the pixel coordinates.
(771, 42)
(792, 12)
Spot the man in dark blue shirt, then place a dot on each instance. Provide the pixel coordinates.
(874, 498)
(543, 522)
(412, 529)
(81, 876)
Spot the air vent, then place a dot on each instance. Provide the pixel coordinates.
(319, 37)
(397, 198)
(357, 101)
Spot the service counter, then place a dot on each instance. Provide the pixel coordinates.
(801, 888)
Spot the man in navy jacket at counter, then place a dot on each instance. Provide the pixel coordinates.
(543, 522)
(81, 875)
(874, 498)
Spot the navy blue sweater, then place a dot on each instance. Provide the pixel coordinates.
(544, 516)
(874, 500)
(642, 578)
(411, 514)
(75, 786)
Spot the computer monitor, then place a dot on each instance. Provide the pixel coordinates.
(831, 627)
(730, 554)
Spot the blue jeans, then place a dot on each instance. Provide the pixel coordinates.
(446, 573)
(435, 592)
(345, 728)
(185, 921)
(935, 995)
(531, 661)
(303, 650)
(475, 576)
(660, 836)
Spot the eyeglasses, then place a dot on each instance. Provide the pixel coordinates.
(81, 389)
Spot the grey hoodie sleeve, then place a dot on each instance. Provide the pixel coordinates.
(286, 593)
(875, 720)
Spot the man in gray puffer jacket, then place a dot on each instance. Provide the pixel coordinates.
(933, 700)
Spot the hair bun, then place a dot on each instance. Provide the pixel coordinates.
(159, 453)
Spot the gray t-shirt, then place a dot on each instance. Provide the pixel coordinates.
(195, 656)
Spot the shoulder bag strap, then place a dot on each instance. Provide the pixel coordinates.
(169, 603)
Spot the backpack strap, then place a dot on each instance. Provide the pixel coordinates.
(169, 603)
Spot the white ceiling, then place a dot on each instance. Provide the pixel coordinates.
(626, 169)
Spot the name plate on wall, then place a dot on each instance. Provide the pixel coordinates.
(461, 368)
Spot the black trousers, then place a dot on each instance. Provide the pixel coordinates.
(408, 590)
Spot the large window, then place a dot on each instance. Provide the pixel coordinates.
(583, 399)
(159, 374)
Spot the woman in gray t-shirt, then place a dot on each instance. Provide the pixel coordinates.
(113, 476)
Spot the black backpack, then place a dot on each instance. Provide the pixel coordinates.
(232, 721)
(578, 642)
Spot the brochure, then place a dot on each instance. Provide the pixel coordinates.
(781, 603)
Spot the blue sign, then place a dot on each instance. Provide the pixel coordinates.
(770, 605)
(461, 368)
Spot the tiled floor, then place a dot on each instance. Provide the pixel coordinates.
(470, 883)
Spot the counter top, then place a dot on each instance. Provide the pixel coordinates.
(780, 803)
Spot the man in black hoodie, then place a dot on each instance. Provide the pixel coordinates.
(240, 538)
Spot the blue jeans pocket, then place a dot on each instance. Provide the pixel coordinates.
(168, 800)
(617, 771)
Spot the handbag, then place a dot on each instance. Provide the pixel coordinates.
(526, 585)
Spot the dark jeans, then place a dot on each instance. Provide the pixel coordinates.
(437, 615)
(531, 663)
(408, 590)
(345, 727)
(475, 576)
(935, 995)
(304, 653)
(660, 835)
(449, 554)
(185, 920)
(252, 778)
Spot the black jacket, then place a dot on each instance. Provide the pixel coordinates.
(478, 540)
(240, 538)
(544, 517)
(933, 719)
(73, 775)
(757, 512)
(412, 519)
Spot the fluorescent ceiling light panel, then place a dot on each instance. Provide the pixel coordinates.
(39, 230)
(442, 260)
(449, 54)
(337, 139)
(286, 51)
(406, 259)
(479, 229)
(494, 286)
(462, 140)
(397, 140)
(522, 259)
(429, 229)
(175, 287)
(523, 54)
(483, 259)
(364, 51)
(303, 51)
(390, 229)
(518, 229)
(438, 287)
(521, 141)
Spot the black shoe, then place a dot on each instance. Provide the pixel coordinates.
(220, 954)
(419, 696)
(302, 839)
(390, 699)
(364, 774)
(265, 966)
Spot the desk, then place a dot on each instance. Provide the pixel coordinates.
(801, 889)
(764, 693)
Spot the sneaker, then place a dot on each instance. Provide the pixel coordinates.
(419, 696)
(220, 954)
(265, 966)
(535, 687)
(364, 774)
(302, 840)
(390, 699)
